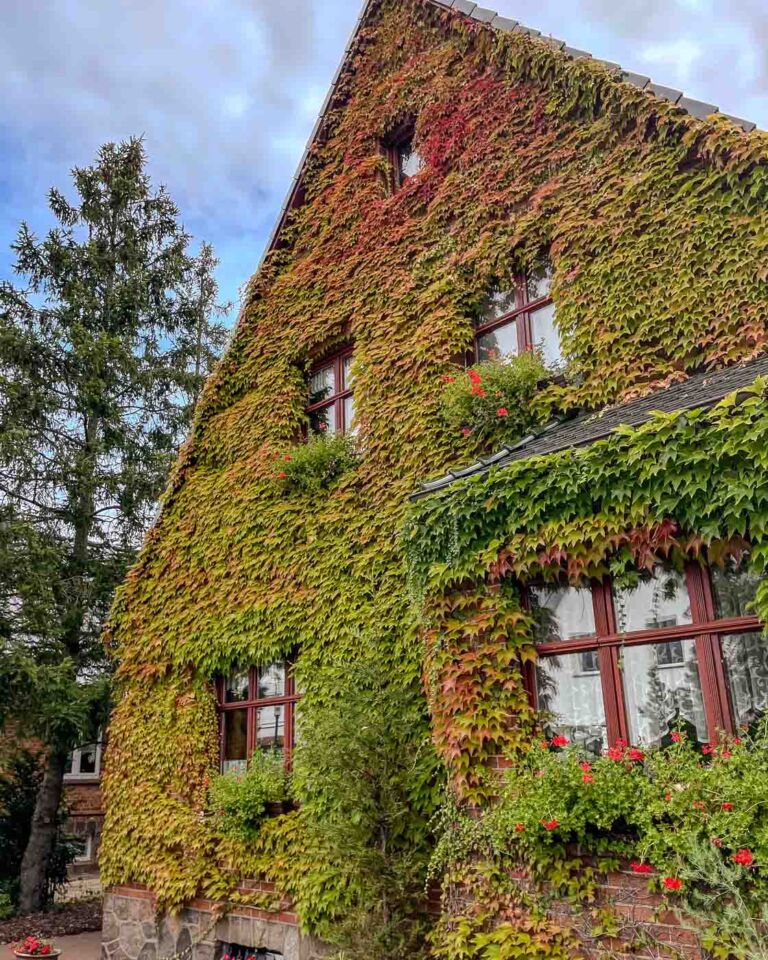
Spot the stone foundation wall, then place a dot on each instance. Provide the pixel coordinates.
(131, 930)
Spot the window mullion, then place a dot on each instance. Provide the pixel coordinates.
(608, 658)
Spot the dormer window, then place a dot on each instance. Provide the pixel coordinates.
(404, 158)
(519, 318)
(331, 406)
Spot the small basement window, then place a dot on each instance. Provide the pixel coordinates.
(236, 951)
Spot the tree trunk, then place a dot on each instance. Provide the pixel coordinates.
(37, 855)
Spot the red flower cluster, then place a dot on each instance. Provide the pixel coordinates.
(587, 778)
(637, 755)
(282, 475)
(520, 827)
(559, 741)
(447, 378)
(550, 824)
(502, 412)
(707, 748)
(744, 857)
(466, 431)
(615, 753)
(474, 376)
(585, 766)
(636, 867)
(677, 737)
(726, 806)
(478, 391)
(34, 947)
(672, 883)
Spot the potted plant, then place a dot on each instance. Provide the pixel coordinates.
(35, 947)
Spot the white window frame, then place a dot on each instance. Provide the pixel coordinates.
(75, 775)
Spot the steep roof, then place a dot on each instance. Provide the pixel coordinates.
(701, 390)
(482, 15)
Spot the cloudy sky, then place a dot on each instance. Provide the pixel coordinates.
(225, 92)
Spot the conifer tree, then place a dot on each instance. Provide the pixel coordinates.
(103, 351)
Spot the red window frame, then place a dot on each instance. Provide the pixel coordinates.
(334, 402)
(705, 629)
(391, 148)
(520, 315)
(288, 700)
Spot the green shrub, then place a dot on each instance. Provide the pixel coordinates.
(6, 906)
(238, 801)
(691, 817)
(314, 465)
(496, 401)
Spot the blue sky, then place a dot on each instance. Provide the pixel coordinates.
(225, 92)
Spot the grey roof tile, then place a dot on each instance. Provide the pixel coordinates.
(528, 30)
(577, 54)
(554, 42)
(483, 15)
(464, 6)
(700, 390)
(746, 125)
(503, 23)
(609, 64)
(636, 79)
(665, 93)
(697, 108)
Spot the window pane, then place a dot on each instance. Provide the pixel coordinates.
(409, 160)
(573, 699)
(88, 758)
(538, 282)
(323, 420)
(235, 740)
(322, 384)
(349, 415)
(347, 372)
(236, 687)
(561, 613)
(746, 662)
(661, 601)
(68, 763)
(501, 342)
(272, 680)
(663, 692)
(544, 334)
(270, 727)
(497, 304)
(734, 588)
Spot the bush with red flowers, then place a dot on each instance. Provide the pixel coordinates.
(495, 402)
(690, 817)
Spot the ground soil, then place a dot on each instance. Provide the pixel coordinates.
(66, 918)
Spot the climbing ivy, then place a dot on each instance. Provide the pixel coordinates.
(657, 227)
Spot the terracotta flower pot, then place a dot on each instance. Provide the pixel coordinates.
(37, 956)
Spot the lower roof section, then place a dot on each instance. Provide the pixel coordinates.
(700, 390)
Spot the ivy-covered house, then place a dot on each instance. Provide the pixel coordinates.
(448, 640)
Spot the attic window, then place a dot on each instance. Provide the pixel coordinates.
(404, 158)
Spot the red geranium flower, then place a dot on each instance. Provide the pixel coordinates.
(466, 431)
(282, 475)
(502, 412)
(615, 753)
(698, 805)
(744, 857)
(667, 797)
(585, 766)
(637, 755)
(45, 950)
(447, 378)
(726, 806)
(672, 883)
(474, 376)
(717, 842)
(707, 748)
(738, 741)
(478, 391)
(587, 778)
(520, 827)
(559, 741)
(636, 867)
(550, 824)
(677, 737)
(725, 754)
(287, 458)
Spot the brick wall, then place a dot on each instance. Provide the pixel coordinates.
(85, 820)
